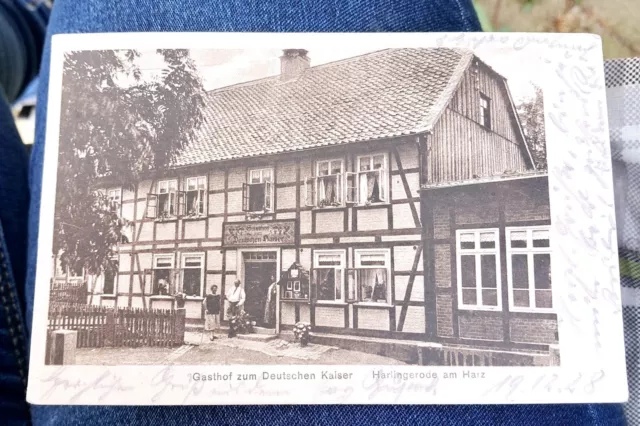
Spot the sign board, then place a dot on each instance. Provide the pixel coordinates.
(273, 233)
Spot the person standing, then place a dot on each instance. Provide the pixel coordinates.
(270, 305)
(236, 297)
(212, 312)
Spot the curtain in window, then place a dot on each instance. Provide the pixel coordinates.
(369, 187)
(326, 282)
(373, 285)
(328, 190)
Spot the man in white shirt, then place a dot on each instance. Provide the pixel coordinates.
(236, 297)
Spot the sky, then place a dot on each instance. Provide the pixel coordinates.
(221, 68)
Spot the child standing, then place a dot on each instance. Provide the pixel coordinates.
(212, 311)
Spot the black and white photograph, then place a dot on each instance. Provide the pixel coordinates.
(302, 206)
(283, 218)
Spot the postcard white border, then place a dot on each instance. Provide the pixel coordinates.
(589, 312)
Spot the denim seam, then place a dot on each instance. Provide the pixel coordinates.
(468, 25)
(12, 312)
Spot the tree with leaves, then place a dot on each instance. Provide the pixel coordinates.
(116, 128)
(531, 113)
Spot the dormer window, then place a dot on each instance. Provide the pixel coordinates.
(485, 111)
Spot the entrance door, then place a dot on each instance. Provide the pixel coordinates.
(259, 274)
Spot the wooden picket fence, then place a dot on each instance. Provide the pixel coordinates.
(100, 326)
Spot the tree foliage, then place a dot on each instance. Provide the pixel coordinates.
(531, 114)
(116, 127)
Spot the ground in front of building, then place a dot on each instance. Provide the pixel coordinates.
(225, 351)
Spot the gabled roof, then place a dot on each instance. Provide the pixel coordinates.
(384, 94)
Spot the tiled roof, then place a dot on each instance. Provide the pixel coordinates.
(383, 94)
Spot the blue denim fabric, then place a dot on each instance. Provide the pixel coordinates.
(14, 203)
(225, 15)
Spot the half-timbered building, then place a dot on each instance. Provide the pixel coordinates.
(389, 195)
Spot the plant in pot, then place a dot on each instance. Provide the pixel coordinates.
(240, 323)
(301, 333)
(180, 298)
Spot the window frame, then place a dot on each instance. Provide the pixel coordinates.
(171, 268)
(183, 259)
(477, 252)
(357, 265)
(383, 172)
(204, 201)
(342, 267)
(485, 112)
(530, 251)
(312, 200)
(270, 184)
(176, 192)
(118, 209)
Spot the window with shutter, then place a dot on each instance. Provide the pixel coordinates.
(163, 280)
(196, 196)
(258, 193)
(310, 191)
(328, 274)
(329, 180)
(351, 196)
(152, 206)
(167, 195)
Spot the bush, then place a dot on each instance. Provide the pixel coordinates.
(240, 323)
(301, 332)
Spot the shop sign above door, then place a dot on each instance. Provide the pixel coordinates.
(274, 233)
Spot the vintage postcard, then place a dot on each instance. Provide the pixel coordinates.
(327, 218)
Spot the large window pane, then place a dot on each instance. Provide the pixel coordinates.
(256, 197)
(326, 284)
(490, 297)
(373, 285)
(543, 299)
(329, 191)
(521, 298)
(161, 281)
(488, 273)
(469, 296)
(468, 271)
(520, 271)
(542, 270)
(191, 281)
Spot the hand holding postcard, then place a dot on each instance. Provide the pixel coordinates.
(327, 218)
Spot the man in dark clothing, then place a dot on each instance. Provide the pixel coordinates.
(212, 312)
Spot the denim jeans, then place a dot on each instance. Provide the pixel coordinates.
(73, 16)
